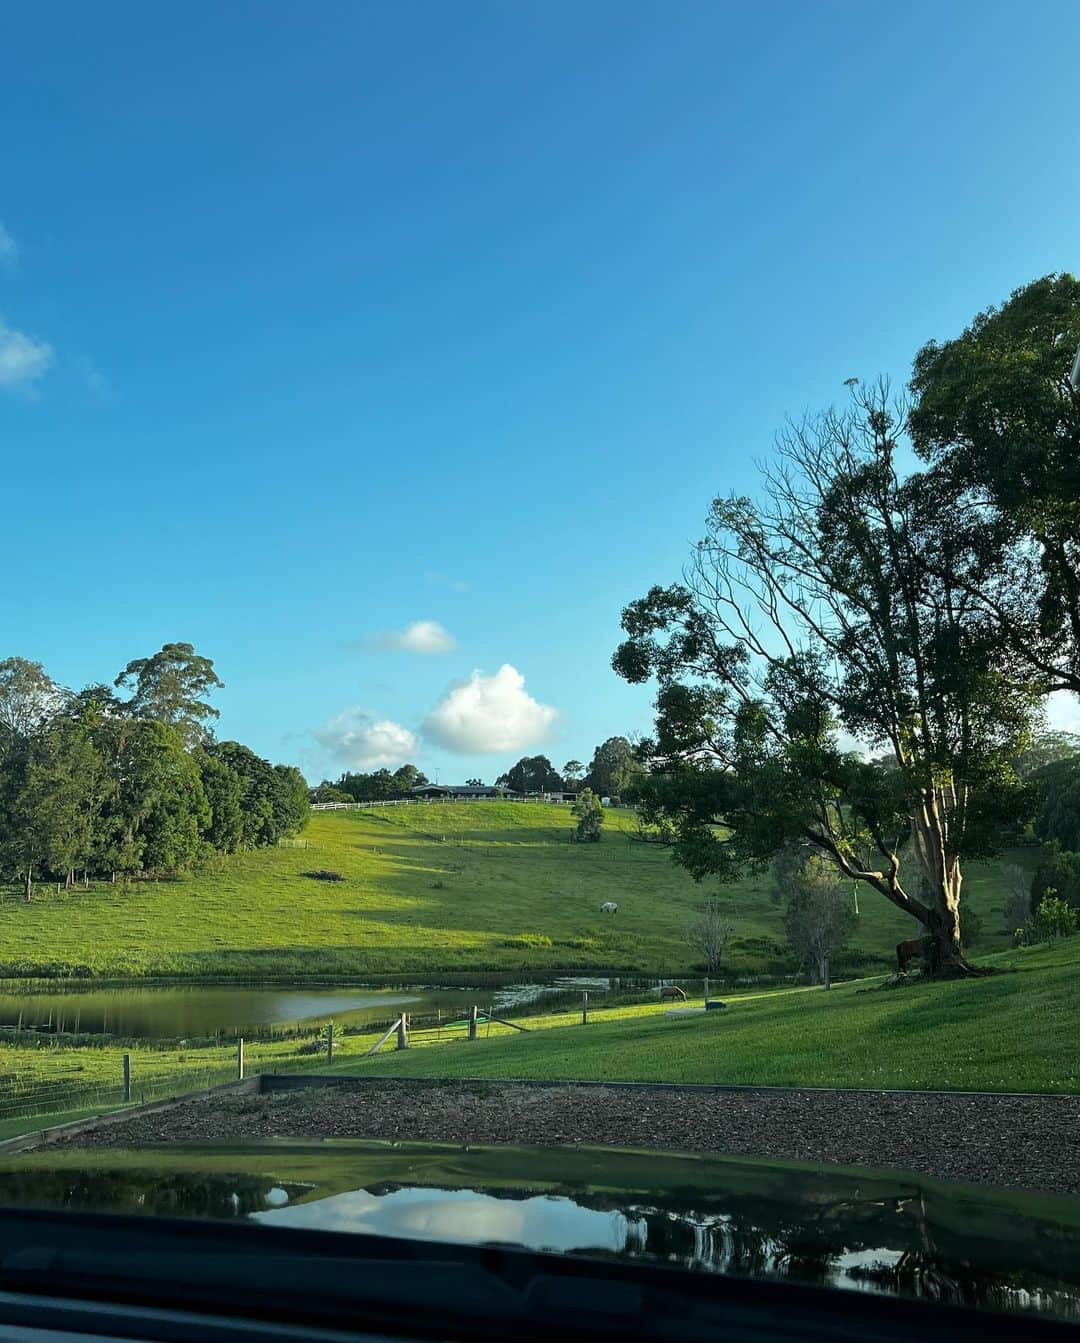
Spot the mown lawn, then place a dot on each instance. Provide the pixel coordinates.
(434, 889)
(1015, 1031)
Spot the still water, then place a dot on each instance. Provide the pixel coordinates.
(873, 1232)
(173, 1013)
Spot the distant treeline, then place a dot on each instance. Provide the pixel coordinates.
(106, 784)
(613, 770)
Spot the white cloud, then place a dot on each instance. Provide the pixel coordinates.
(23, 360)
(488, 714)
(422, 636)
(359, 740)
(9, 250)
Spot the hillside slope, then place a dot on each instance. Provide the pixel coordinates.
(1014, 1031)
(428, 890)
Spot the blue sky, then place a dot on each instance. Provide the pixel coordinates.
(319, 321)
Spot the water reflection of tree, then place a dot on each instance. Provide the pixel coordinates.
(889, 1242)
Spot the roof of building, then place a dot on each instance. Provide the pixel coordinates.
(462, 789)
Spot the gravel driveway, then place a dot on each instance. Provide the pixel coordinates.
(1021, 1142)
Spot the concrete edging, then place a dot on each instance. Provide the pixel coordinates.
(297, 1081)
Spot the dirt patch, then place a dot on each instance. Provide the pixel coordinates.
(1019, 1142)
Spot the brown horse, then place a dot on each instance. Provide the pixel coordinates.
(672, 991)
(908, 951)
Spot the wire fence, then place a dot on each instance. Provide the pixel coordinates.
(71, 1080)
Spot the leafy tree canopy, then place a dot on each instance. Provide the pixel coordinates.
(824, 610)
(532, 774)
(171, 687)
(998, 420)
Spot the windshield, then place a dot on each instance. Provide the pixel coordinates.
(542, 625)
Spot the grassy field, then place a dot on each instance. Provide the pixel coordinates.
(1015, 1031)
(433, 889)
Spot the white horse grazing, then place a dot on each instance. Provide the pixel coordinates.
(608, 907)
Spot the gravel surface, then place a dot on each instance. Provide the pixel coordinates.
(1020, 1142)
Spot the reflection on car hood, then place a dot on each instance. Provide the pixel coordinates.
(870, 1231)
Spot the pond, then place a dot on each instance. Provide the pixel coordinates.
(192, 1012)
(867, 1231)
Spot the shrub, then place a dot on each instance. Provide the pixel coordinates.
(1051, 920)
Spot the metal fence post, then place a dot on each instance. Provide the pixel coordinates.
(330, 1042)
(472, 1022)
(127, 1077)
(585, 1007)
(402, 1032)
(240, 1058)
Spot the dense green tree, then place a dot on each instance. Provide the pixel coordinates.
(29, 699)
(259, 787)
(1057, 808)
(573, 773)
(532, 774)
(91, 783)
(330, 792)
(613, 768)
(290, 801)
(822, 610)
(224, 790)
(156, 817)
(48, 821)
(378, 786)
(171, 687)
(1057, 873)
(590, 817)
(998, 419)
(409, 777)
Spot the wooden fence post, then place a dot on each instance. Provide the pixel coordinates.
(402, 1032)
(127, 1077)
(240, 1058)
(330, 1042)
(706, 988)
(472, 1022)
(585, 1008)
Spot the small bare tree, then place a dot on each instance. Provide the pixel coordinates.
(709, 932)
(1017, 909)
(818, 918)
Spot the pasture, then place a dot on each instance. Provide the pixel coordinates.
(436, 889)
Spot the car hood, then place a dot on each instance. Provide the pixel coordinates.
(865, 1230)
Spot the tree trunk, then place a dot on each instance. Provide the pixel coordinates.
(825, 979)
(29, 888)
(943, 955)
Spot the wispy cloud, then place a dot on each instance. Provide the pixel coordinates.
(9, 249)
(94, 380)
(359, 740)
(488, 714)
(422, 636)
(23, 360)
(441, 580)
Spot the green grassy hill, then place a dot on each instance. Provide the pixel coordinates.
(427, 890)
